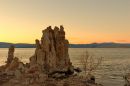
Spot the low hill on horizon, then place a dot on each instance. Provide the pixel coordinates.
(93, 45)
(101, 45)
(17, 45)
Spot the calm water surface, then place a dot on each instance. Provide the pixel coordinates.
(115, 63)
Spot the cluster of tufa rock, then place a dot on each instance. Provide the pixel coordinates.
(52, 51)
(49, 66)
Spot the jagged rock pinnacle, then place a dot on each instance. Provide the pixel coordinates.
(52, 51)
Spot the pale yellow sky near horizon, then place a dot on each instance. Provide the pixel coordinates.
(85, 21)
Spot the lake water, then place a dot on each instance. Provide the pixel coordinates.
(115, 64)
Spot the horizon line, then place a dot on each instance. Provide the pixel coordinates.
(73, 43)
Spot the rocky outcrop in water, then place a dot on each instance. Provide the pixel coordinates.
(10, 54)
(52, 51)
(49, 66)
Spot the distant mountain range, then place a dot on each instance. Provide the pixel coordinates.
(18, 45)
(93, 45)
(101, 45)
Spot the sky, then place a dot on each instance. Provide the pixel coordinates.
(85, 21)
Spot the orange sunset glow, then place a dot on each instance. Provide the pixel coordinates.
(85, 21)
